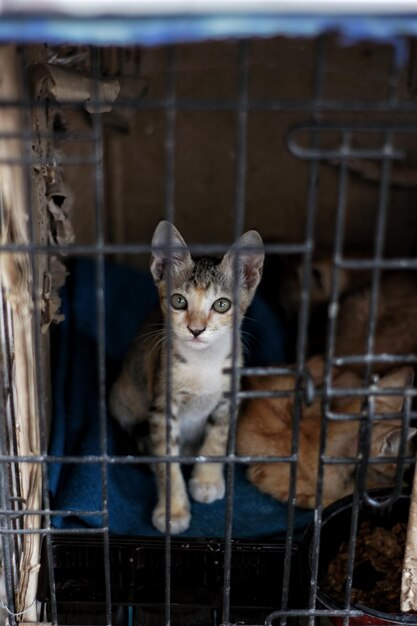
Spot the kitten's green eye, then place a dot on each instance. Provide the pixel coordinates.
(222, 305)
(178, 302)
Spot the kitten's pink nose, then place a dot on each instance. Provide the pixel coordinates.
(196, 331)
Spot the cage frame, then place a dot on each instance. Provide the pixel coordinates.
(30, 243)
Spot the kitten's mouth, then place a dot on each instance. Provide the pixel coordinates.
(197, 340)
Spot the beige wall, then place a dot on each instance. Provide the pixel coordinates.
(205, 158)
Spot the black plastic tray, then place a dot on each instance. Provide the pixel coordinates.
(137, 567)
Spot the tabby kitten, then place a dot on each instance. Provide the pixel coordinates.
(199, 297)
(265, 428)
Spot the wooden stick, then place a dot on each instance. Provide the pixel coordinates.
(409, 576)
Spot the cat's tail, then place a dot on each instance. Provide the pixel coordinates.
(127, 404)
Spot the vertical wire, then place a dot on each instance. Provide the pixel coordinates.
(241, 142)
(303, 325)
(379, 243)
(361, 472)
(97, 124)
(327, 378)
(239, 215)
(378, 252)
(170, 120)
(36, 329)
(380, 230)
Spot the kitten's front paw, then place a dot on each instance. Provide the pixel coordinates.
(207, 490)
(180, 519)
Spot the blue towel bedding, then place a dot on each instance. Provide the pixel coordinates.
(130, 489)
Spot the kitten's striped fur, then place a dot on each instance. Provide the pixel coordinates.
(201, 343)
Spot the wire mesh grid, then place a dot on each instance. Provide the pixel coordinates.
(314, 151)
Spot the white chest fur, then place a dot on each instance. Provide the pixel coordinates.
(199, 386)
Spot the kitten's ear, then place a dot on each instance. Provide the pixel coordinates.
(401, 377)
(165, 236)
(320, 279)
(316, 366)
(388, 444)
(251, 261)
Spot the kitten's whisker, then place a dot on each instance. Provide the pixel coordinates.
(150, 342)
(252, 319)
(153, 333)
(157, 343)
(245, 346)
(245, 335)
(158, 335)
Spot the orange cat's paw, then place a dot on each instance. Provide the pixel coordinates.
(207, 491)
(180, 519)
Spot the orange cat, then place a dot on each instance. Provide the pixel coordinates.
(265, 428)
(396, 328)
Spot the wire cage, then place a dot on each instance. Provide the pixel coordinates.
(310, 139)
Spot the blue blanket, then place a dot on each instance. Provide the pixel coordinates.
(131, 492)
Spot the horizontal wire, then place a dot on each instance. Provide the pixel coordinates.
(314, 613)
(54, 531)
(204, 104)
(185, 460)
(134, 248)
(333, 392)
(391, 359)
(65, 513)
(398, 263)
(138, 460)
